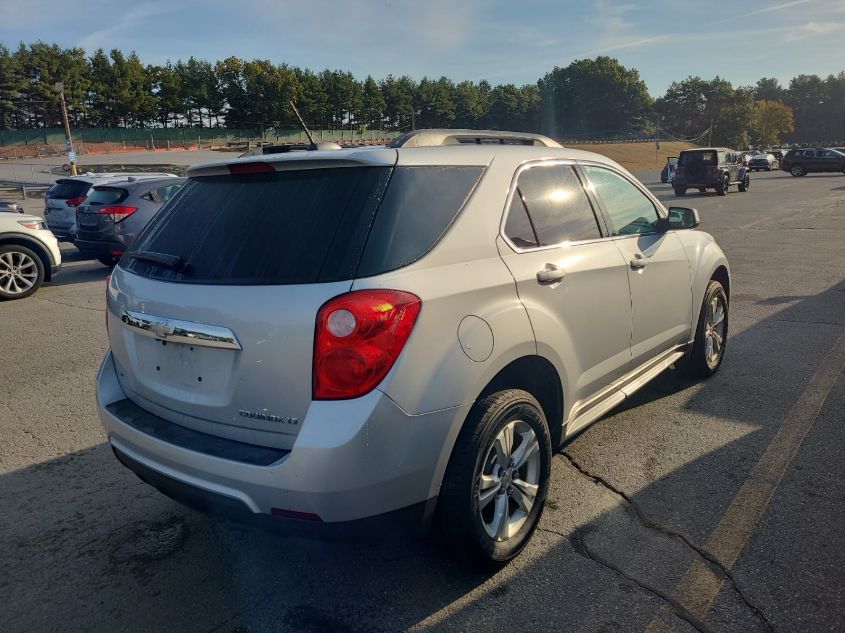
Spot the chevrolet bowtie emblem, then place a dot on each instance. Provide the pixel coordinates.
(163, 329)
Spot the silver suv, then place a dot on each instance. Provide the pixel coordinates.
(384, 337)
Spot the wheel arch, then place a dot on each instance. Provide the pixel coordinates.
(723, 277)
(34, 245)
(538, 376)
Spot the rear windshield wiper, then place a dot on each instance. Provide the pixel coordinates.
(173, 262)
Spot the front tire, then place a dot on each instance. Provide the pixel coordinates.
(745, 183)
(797, 170)
(708, 349)
(496, 482)
(21, 272)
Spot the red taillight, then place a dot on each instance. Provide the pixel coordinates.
(117, 212)
(359, 335)
(679, 170)
(74, 202)
(237, 169)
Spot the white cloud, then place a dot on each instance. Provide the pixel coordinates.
(108, 37)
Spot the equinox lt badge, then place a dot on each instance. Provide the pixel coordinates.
(258, 415)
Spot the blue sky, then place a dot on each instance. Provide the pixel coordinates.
(501, 41)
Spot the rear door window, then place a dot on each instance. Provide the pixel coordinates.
(518, 225)
(558, 210)
(106, 195)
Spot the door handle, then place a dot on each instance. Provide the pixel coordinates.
(639, 262)
(550, 274)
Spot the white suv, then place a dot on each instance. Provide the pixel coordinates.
(376, 338)
(29, 255)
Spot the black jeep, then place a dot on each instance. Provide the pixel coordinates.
(706, 168)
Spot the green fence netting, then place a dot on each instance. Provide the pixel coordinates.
(56, 136)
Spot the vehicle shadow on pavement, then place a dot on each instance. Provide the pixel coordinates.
(88, 546)
(78, 268)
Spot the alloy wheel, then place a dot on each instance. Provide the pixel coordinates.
(507, 487)
(714, 331)
(18, 272)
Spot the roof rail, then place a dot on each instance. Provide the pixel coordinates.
(437, 138)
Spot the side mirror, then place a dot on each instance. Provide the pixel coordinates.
(682, 218)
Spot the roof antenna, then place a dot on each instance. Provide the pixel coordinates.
(313, 145)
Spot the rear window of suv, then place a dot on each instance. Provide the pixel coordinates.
(66, 189)
(302, 226)
(106, 195)
(708, 158)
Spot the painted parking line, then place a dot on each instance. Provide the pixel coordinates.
(700, 585)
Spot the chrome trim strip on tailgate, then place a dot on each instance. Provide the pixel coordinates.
(176, 331)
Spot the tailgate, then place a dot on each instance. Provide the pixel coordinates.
(233, 361)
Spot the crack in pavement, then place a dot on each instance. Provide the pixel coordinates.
(580, 547)
(649, 523)
(70, 305)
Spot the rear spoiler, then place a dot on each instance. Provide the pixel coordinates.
(381, 157)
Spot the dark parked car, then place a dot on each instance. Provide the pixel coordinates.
(706, 168)
(10, 207)
(668, 172)
(112, 215)
(800, 162)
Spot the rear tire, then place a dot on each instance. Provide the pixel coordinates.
(21, 272)
(680, 191)
(702, 189)
(706, 355)
(108, 260)
(745, 183)
(461, 522)
(797, 170)
(722, 189)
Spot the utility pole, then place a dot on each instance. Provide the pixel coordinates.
(710, 135)
(657, 132)
(60, 88)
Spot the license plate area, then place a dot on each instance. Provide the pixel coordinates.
(88, 219)
(188, 373)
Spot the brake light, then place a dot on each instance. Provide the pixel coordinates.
(359, 335)
(118, 212)
(74, 202)
(237, 169)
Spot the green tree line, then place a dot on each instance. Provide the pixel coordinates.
(589, 98)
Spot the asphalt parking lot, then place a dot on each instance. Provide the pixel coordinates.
(714, 506)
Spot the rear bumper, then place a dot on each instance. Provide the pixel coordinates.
(357, 460)
(63, 235)
(403, 523)
(100, 247)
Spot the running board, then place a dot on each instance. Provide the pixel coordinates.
(623, 389)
